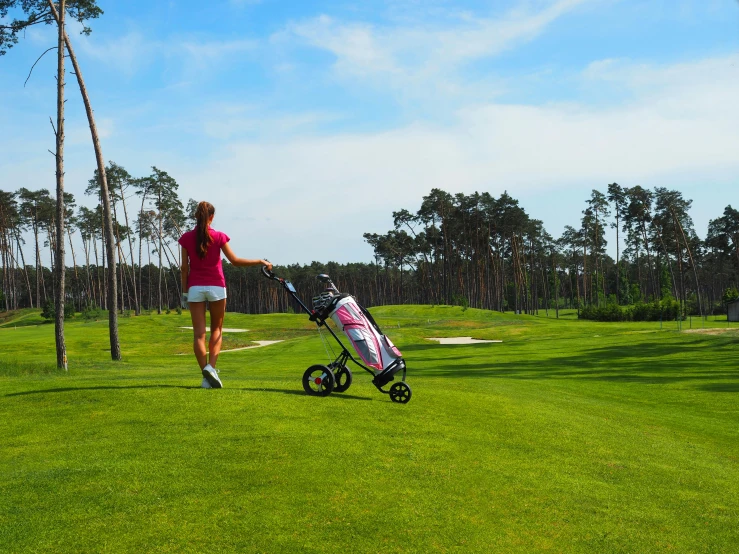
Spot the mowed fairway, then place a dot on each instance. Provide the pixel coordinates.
(568, 436)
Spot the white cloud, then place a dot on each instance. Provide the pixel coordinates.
(133, 50)
(303, 194)
(226, 121)
(204, 53)
(127, 53)
(421, 51)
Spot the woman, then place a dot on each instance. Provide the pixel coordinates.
(202, 278)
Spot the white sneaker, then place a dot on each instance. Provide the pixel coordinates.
(211, 375)
(205, 384)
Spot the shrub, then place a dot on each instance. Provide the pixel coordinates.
(92, 313)
(730, 295)
(666, 309)
(460, 300)
(49, 310)
(609, 312)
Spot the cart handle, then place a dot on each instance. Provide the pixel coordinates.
(268, 274)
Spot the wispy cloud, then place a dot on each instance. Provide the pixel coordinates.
(204, 53)
(412, 51)
(134, 50)
(228, 121)
(127, 53)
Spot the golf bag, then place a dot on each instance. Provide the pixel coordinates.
(377, 355)
(376, 349)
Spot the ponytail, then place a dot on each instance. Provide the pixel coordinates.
(203, 213)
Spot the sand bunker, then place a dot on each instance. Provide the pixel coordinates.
(224, 330)
(461, 340)
(259, 344)
(712, 331)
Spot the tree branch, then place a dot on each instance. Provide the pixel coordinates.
(34, 64)
(18, 26)
(52, 125)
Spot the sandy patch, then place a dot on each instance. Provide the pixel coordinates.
(461, 340)
(711, 331)
(224, 330)
(259, 344)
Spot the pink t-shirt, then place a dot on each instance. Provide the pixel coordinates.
(205, 272)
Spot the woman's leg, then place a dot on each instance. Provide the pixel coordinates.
(197, 313)
(217, 313)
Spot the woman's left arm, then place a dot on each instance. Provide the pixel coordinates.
(242, 262)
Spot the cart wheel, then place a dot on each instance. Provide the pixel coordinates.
(318, 380)
(343, 377)
(400, 392)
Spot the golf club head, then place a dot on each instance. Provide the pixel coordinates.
(327, 280)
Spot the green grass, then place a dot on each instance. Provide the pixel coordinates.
(569, 436)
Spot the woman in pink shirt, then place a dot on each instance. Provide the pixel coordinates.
(202, 278)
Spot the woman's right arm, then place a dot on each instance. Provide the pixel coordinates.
(243, 262)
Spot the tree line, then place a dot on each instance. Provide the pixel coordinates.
(148, 218)
(473, 250)
(487, 252)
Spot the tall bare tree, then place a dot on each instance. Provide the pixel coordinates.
(61, 347)
(115, 347)
(37, 12)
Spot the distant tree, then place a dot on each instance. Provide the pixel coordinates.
(617, 197)
(162, 188)
(598, 206)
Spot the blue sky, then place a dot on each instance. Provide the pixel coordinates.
(307, 123)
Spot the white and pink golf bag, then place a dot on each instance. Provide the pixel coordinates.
(377, 354)
(375, 349)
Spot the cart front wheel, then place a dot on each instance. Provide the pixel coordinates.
(318, 380)
(400, 393)
(343, 377)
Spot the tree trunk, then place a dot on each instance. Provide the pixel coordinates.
(25, 269)
(61, 348)
(89, 283)
(74, 263)
(161, 214)
(38, 256)
(121, 258)
(692, 263)
(115, 347)
(618, 269)
(141, 242)
(130, 249)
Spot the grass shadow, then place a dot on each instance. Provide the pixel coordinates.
(720, 387)
(303, 393)
(74, 389)
(636, 363)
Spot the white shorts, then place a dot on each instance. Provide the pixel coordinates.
(201, 294)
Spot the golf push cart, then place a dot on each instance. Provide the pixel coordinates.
(379, 356)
